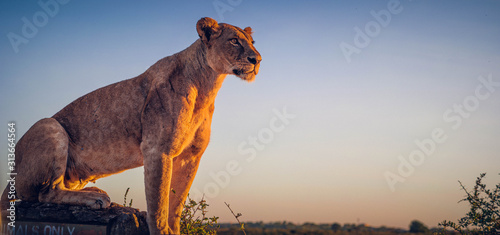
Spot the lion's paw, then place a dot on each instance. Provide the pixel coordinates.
(97, 200)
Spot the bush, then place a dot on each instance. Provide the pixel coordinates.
(484, 213)
(418, 227)
(191, 223)
(336, 227)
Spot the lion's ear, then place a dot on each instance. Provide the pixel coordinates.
(248, 30)
(207, 29)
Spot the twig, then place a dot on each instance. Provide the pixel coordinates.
(125, 197)
(236, 217)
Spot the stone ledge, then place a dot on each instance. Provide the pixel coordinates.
(117, 219)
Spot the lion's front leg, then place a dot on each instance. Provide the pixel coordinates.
(184, 171)
(185, 167)
(157, 177)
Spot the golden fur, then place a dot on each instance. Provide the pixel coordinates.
(160, 119)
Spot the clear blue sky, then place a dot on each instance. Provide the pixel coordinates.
(367, 98)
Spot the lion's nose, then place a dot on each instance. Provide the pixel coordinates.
(254, 59)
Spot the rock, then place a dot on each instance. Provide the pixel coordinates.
(116, 219)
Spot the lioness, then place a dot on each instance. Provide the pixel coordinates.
(160, 119)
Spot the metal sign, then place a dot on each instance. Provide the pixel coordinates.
(46, 228)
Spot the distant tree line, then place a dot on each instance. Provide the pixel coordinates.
(483, 218)
(284, 228)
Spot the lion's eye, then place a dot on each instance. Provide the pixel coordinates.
(234, 41)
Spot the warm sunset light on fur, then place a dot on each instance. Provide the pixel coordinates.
(160, 119)
(361, 118)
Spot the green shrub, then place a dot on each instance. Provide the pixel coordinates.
(191, 221)
(194, 219)
(484, 213)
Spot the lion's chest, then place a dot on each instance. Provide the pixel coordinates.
(198, 130)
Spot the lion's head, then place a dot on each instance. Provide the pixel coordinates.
(230, 49)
